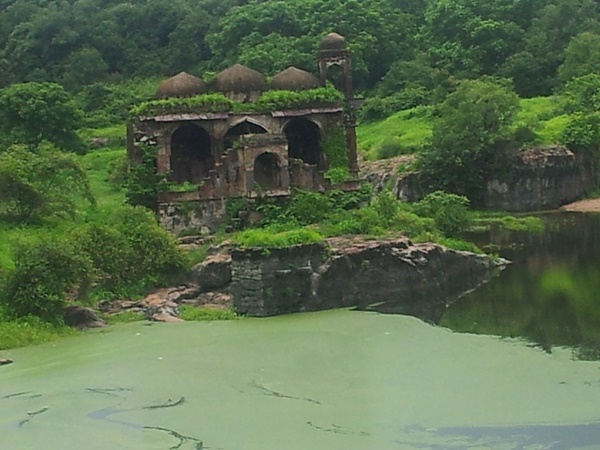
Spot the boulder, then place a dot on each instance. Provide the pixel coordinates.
(212, 273)
(82, 317)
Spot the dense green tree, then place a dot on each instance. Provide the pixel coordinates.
(472, 139)
(34, 112)
(582, 57)
(535, 72)
(378, 33)
(471, 37)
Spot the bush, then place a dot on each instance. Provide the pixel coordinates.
(46, 272)
(309, 207)
(40, 184)
(582, 132)
(449, 211)
(131, 252)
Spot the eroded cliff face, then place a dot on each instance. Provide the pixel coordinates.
(390, 275)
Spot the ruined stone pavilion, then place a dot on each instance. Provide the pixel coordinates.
(225, 139)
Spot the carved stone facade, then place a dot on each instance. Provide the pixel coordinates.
(215, 156)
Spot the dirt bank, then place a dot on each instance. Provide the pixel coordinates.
(587, 205)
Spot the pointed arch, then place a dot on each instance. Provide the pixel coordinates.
(191, 154)
(267, 171)
(244, 126)
(304, 140)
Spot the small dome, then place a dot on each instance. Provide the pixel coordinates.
(240, 78)
(333, 41)
(294, 79)
(181, 85)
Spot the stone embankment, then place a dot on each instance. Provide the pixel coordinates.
(387, 275)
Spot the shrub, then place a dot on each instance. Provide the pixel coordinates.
(46, 272)
(449, 211)
(39, 184)
(582, 132)
(130, 252)
(309, 207)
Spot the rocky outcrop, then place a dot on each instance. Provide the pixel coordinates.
(389, 275)
(544, 178)
(81, 317)
(391, 174)
(212, 273)
(386, 275)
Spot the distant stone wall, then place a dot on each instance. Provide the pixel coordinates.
(206, 216)
(545, 178)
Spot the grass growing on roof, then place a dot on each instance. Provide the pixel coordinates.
(271, 237)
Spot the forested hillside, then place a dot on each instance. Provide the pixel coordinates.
(410, 48)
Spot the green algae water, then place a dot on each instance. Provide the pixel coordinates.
(339, 380)
(329, 380)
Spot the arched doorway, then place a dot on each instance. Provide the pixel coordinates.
(267, 171)
(191, 154)
(304, 140)
(240, 129)
(334, 73)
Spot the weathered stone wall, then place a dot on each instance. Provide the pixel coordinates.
(546, 178)
(204, 215)
(277, 281)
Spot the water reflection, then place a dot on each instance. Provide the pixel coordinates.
(549, 295)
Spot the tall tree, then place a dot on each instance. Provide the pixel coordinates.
(472, 139)
(34, 112)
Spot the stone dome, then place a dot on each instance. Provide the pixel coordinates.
(240, 78)
(294, 79)
(181, 85)
(333, 41)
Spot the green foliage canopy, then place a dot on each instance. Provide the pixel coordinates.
(472, 139)
(34, 112)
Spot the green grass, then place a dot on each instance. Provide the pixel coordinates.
(192, 313)
(551, 130)
(268, 238)
(115, 134)
(486, 221)
(409, 129)
(22, 332)
(101, 166)
(124, 317)
(536, 109)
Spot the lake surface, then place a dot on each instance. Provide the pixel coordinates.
(336, 379)
(549, 295)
